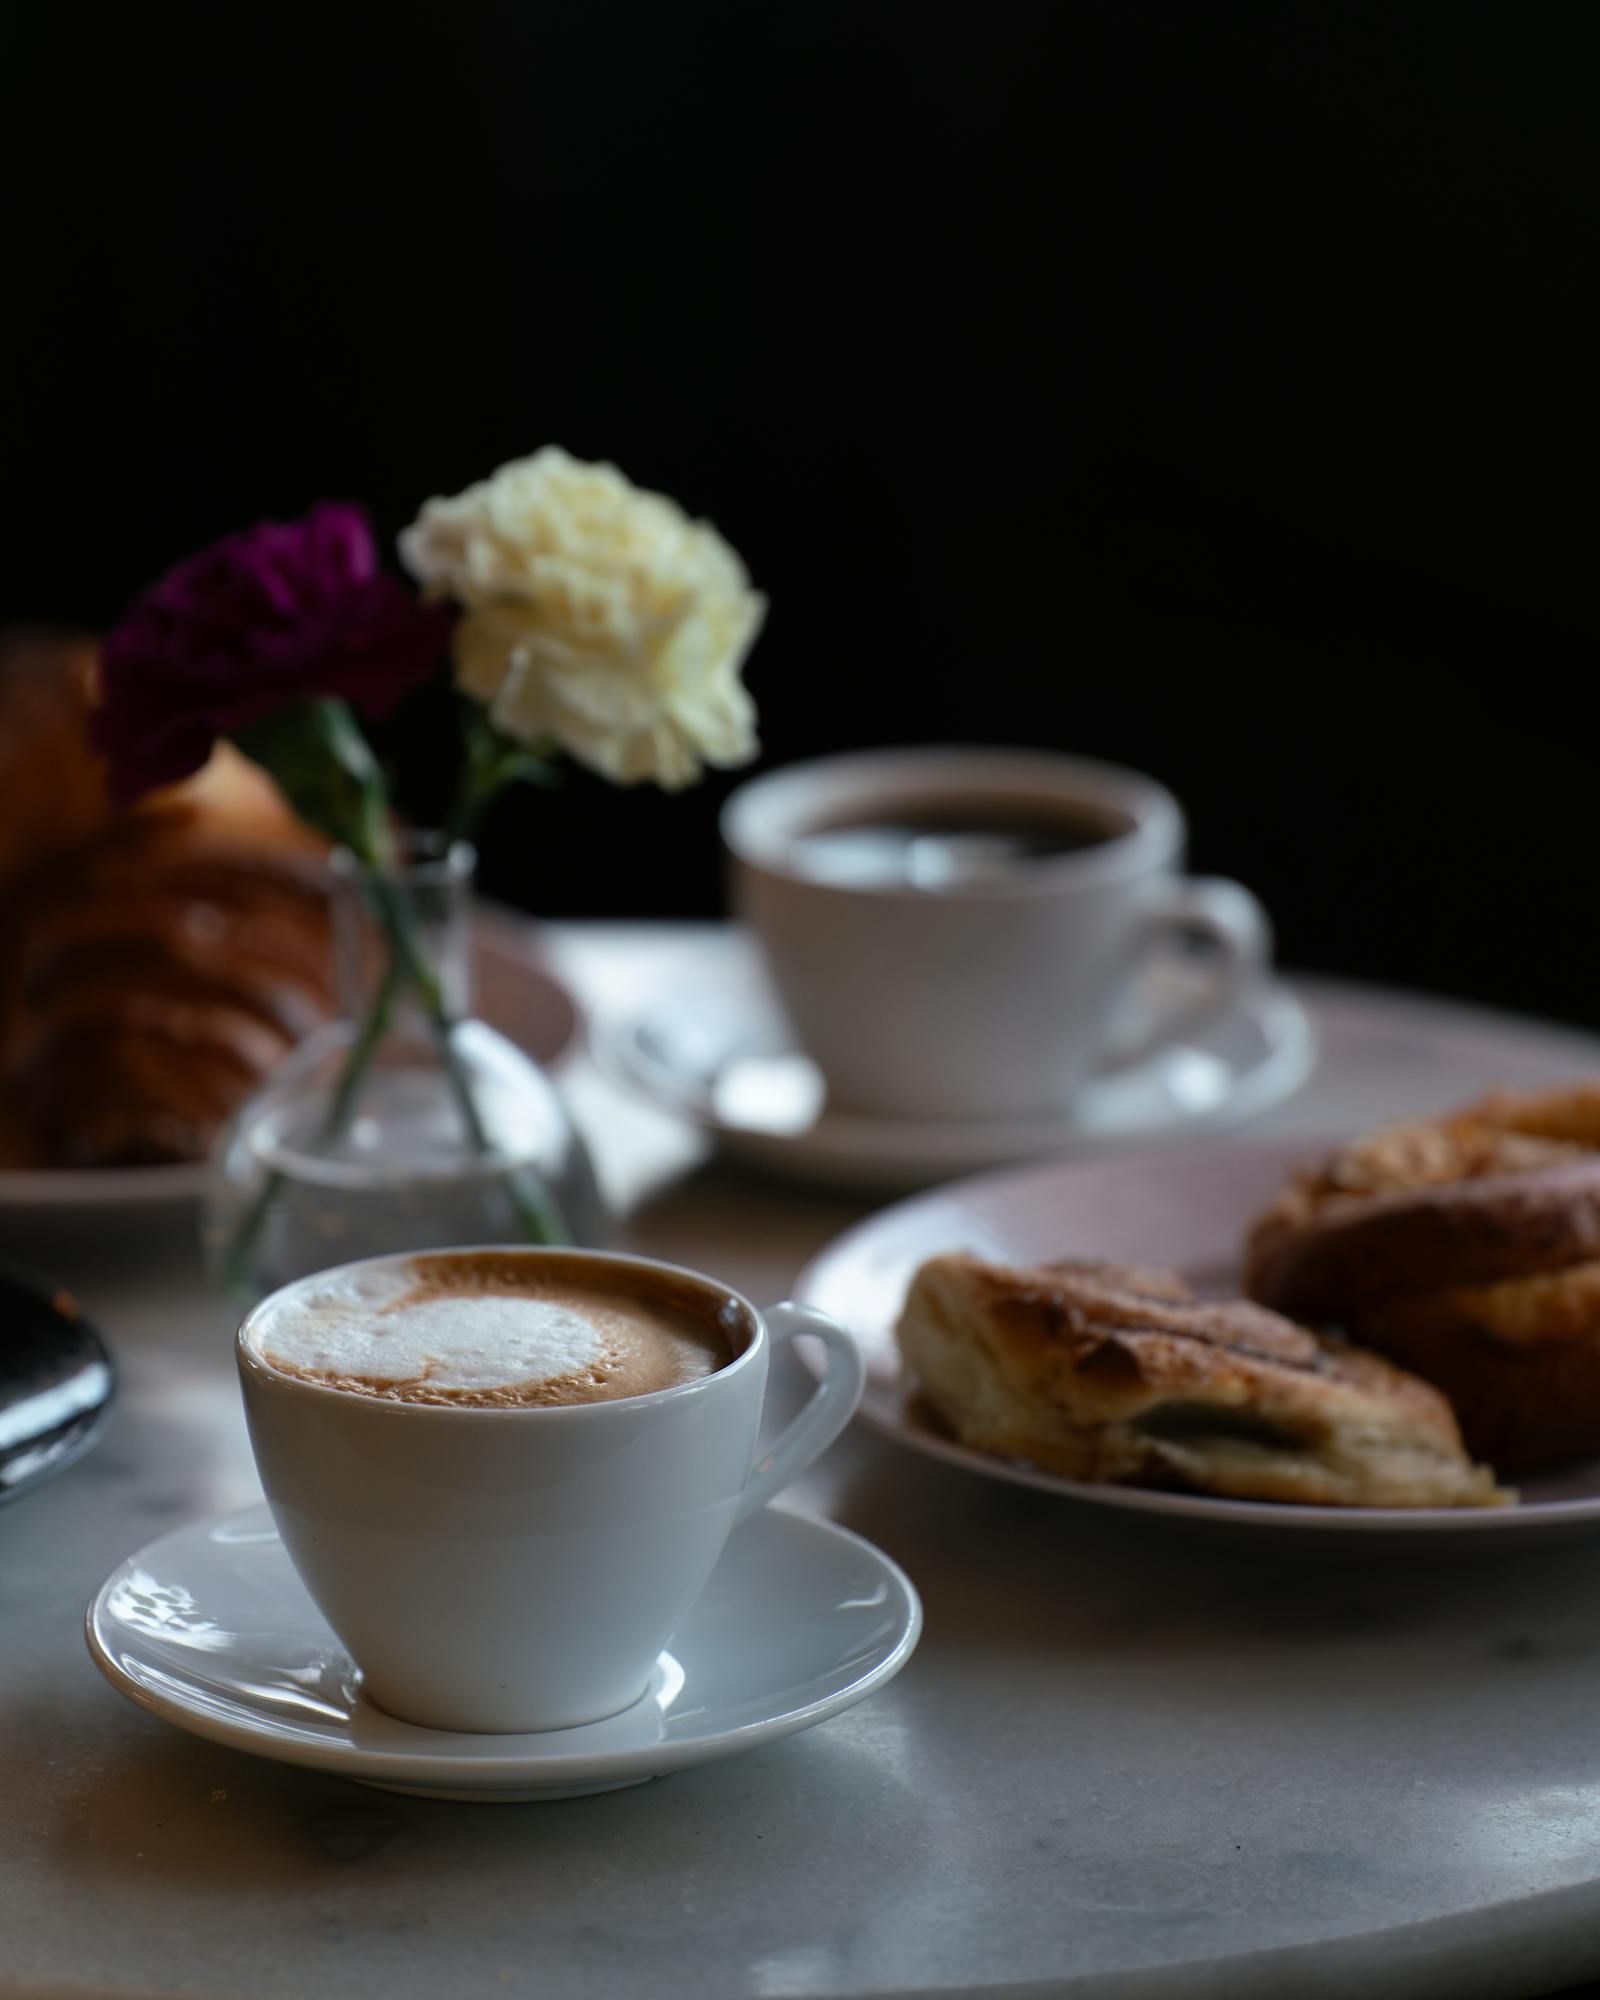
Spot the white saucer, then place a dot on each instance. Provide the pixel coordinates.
(721, 1056)
(514, 994)
(1185, 1211)
(211, 1629)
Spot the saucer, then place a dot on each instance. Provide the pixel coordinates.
(722, 1056)
(210, 1628)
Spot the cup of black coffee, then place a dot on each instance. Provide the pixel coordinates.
(953, 931)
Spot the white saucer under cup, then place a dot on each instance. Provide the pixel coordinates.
(719, 1053)
(210, 1629)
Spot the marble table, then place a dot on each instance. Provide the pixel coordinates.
(1124, 1763)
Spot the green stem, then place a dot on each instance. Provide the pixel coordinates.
(493, 761)
(538, 1215)
(374, 1026)
(358, 1059)
(242, 1243)
(466, 812)
(478, 782)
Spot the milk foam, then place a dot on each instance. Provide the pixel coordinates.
(486, 1340)
(459, 1330)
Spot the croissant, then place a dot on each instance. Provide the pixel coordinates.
(154, 965)
(1466, 1248)
(52, 793)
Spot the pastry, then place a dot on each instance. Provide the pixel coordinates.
(51, 792)
(153, 980)
(1104, 1372)
(154, 964)
(1504, 1190)
(1465, 1248)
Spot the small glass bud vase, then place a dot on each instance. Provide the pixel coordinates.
(407, 1124)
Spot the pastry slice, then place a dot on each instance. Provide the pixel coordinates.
(1105, 1372)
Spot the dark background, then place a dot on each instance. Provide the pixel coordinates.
(1207, 386)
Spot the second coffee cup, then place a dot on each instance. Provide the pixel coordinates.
(952, 932)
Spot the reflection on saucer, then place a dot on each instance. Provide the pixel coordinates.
(783, 1093)
(720, 1055)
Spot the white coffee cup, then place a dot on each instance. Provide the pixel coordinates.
(522, 1569)
(992, 995)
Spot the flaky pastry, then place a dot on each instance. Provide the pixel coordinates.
(1107, 1373)
(155, 964)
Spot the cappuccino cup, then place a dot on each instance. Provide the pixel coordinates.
(958, 933)
(504, 1476)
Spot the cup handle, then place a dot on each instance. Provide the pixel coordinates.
(1217, 912)
(830, 1408)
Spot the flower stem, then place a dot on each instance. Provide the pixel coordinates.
(538, 1215)
(374, 1026)
(493, 761)
(358, 1059)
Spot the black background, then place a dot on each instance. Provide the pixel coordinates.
(1207, 386)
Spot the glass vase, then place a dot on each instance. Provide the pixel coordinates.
(406, 1124)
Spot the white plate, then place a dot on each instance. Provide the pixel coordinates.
(720, 1055)
(210, 1628)
(1184, 1211)
(515, 995)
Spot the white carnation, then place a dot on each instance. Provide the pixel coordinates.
(596, 616)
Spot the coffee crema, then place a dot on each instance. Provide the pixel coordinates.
(486, 1330)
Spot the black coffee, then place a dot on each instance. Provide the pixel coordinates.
(946, 845)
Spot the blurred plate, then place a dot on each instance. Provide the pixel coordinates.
(720, 1054)
(1182, 1211)
(515, 994)
(56, 1383)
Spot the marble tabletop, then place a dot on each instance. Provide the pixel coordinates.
(1124, 1762)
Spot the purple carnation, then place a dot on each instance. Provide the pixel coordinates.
(288, 611)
